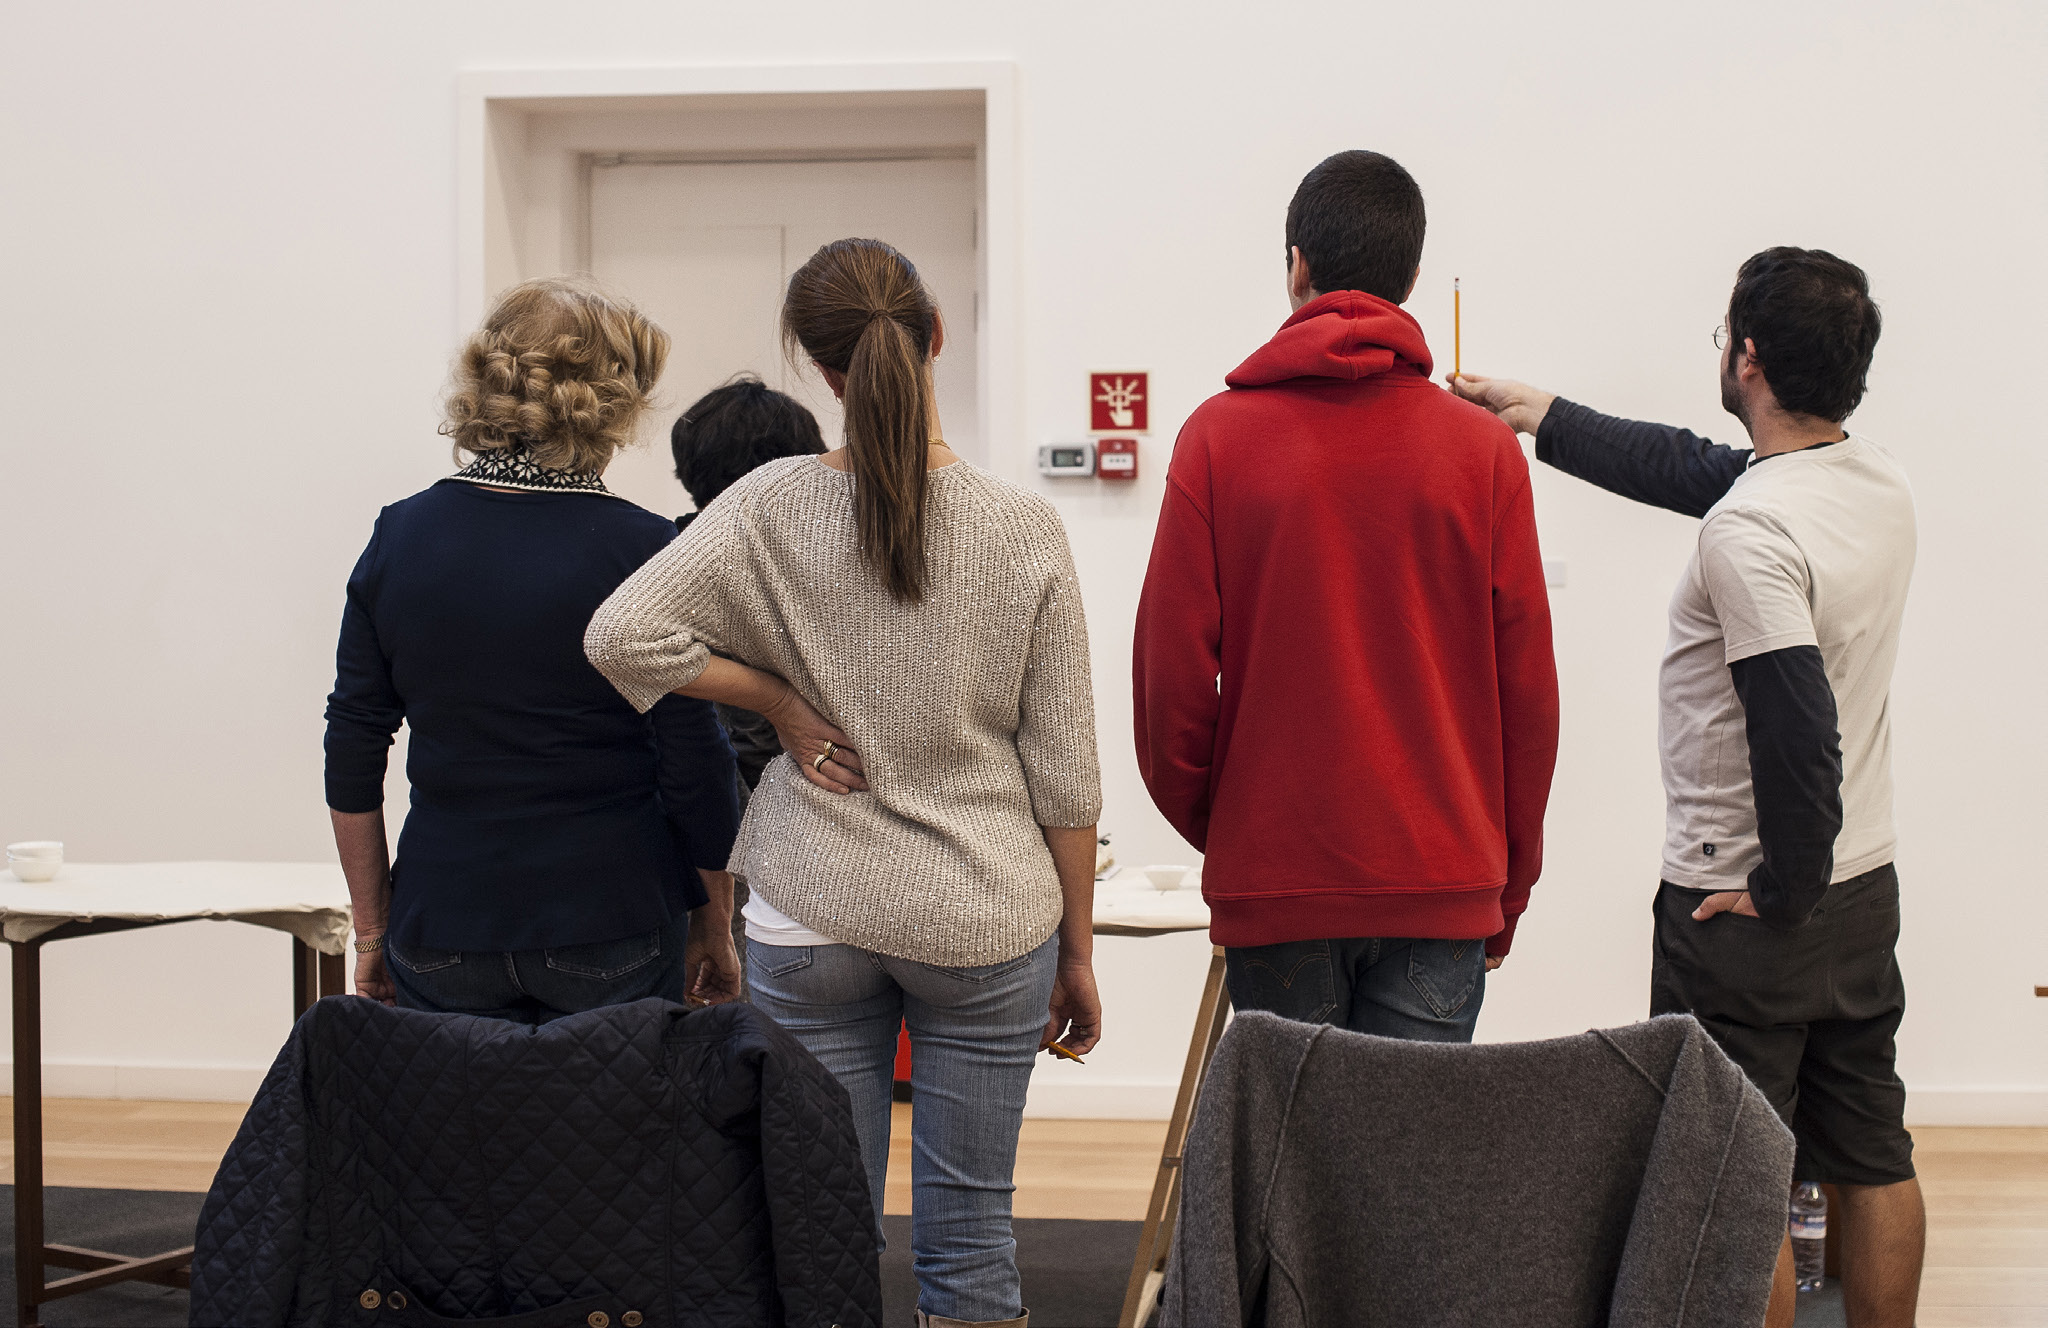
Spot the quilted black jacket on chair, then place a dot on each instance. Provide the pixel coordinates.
(640, 1166)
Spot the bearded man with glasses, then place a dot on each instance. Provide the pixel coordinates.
(1778, 911)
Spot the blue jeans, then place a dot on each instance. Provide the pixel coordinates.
(973, 1035)
(1421, 990)
(535, 986)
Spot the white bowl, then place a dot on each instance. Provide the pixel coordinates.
(33, 869)
(37, 848)
(1166, 876)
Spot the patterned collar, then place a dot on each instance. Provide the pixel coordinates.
(515, 468)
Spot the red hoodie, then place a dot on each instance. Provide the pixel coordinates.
(1345, 692)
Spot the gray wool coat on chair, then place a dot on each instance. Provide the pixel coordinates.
(1629, 1177)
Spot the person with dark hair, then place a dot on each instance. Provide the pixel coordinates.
(733, 429)
(725, 435)
(1778, 912)
(728, 433)
(1345, 695)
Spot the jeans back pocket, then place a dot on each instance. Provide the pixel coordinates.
(420, 959)
(777, 960)
(605, 960)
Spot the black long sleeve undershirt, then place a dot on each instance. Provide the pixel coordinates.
(1657, 464)
(1795, 769)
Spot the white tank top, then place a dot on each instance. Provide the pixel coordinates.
(769, 925)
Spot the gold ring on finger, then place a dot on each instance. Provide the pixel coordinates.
(831, 750)
(819, 764)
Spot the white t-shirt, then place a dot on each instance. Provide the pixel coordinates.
(769, 925)
(1813, 547)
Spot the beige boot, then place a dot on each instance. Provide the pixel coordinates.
(934, 1321)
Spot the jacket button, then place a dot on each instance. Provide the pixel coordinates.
(1707, 849)
(599, 1319)
(631, 1318)
(397, 1299)
(369, 1300)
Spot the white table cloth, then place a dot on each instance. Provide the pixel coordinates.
(1127, 905)
(307, 899)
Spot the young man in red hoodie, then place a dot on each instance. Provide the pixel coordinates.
(1345, 692)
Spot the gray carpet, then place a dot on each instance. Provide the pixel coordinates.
(120, 1221)
(1074, 1271)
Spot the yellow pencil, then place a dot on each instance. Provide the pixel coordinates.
(1457, 333)
(1068, 1054)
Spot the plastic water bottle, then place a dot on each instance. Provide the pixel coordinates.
(1809, 1235)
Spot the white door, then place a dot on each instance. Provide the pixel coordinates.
(706, 249)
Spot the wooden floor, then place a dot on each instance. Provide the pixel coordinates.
(1987, 1189)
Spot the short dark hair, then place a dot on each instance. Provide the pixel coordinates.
(732, 429)
(1814, 325)
(1358, 220)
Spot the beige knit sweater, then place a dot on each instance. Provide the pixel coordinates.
(973, 711)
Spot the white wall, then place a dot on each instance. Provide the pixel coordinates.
(231, 308)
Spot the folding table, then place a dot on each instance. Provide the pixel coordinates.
(1132, 907)
(309, 900)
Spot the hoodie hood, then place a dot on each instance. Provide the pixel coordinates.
(1345, 335)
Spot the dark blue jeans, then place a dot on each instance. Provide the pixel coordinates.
(1421, 990)
(535, 986)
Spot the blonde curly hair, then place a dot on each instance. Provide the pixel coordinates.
(560, 368)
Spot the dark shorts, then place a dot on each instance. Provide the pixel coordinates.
(1809, 1013)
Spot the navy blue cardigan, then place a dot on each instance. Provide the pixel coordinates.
(545, 810)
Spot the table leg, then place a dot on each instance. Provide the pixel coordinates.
(333, 977)
(28, 1131)
(313, 975)
(1155, 1239)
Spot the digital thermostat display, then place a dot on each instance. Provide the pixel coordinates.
(1076, 459)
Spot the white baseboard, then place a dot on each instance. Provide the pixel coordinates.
(165, 1083)
(1976, 1106)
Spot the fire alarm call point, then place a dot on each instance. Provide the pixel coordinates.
(1116, 458)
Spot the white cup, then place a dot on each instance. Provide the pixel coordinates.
(1166, 876)
(35, 859)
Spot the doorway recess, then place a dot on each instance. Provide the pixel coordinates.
(703, 187)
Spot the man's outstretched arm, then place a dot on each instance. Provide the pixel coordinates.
(1652, 463)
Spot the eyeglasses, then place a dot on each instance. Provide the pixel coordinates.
(1721, 337)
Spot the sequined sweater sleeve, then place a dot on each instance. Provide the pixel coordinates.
(657, 631)
(1056, 733)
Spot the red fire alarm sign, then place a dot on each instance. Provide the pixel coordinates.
(1116, 459)
(1119, 403)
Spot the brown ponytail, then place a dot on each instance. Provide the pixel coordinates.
(858, 308)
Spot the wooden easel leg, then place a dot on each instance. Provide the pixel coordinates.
(1155, 1239)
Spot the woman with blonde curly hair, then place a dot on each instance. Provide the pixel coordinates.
(560, 844)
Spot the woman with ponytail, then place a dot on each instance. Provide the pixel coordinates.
(924, 852)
